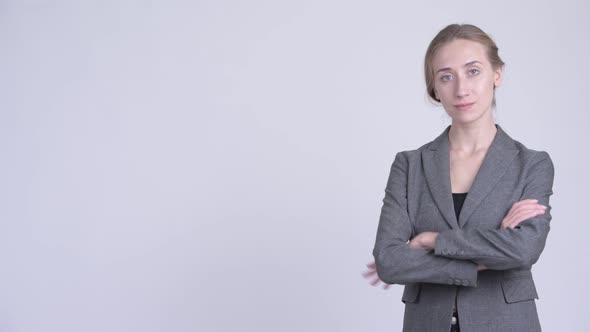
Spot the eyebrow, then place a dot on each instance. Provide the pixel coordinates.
(465, 65)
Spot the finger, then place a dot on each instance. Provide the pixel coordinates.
(525, 214)
(513, 220)
(526, 211)
(375, 281)
(516, 209)
(531, 206)
(369, 273)
(521, 207)
(371, 265)
(517, 212)
(517, 220)
(386, 286)
(522, 217)
(525, 201)
(525, 206)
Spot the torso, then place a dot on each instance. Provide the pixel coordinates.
(464, 168)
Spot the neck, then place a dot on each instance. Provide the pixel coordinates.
(471, 137)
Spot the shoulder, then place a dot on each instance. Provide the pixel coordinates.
(409, 156)
(536, 165)
(416, 152)
(415, 155)
(532, 157)
(537, 169)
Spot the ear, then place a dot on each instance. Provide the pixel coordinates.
(498, 75)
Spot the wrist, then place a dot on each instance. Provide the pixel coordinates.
(434, 237)
(431, 240)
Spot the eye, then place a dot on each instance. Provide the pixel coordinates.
(474, 71)
(446, 78)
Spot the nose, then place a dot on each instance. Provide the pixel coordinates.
(462, 87)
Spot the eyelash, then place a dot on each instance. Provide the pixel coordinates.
(442, 78)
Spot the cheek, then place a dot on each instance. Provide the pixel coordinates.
(444, 91)
(484, 86)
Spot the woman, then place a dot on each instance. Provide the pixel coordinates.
(466, 215)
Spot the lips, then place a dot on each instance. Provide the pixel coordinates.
(464, 106)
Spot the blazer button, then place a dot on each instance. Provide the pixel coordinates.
(460, 252)
(452, 252)
(445, 251)
(450, 281)
(457, 282)
(465, 282)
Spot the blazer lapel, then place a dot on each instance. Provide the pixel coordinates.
(435, 159)
(495, 163)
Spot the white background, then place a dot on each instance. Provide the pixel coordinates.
(220, 165)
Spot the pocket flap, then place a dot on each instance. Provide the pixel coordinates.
(519, 289)
(411, 292)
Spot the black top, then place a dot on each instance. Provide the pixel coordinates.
(458, 199)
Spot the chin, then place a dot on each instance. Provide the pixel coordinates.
(465, 118)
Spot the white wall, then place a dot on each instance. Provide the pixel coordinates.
(220, 165)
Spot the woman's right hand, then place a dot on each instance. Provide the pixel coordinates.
(372, 274)
(521, 211)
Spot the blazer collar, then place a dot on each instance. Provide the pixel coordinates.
(435, 158)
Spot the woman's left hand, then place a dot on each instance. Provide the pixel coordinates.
(424, 240)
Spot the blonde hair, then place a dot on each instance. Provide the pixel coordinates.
(447, 35)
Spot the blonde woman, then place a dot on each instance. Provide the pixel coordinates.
(466, 215)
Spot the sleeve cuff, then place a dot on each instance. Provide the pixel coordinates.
(445, 246)
(465, 275)
(466, 272)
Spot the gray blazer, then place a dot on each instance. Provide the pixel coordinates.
(418, 198)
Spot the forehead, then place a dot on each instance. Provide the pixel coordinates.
(459, 52)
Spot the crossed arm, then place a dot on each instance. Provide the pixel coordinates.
(456, 255)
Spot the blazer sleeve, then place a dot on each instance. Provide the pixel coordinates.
(507, 248)
(395, 261)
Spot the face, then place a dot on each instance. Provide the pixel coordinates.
(464, 81)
